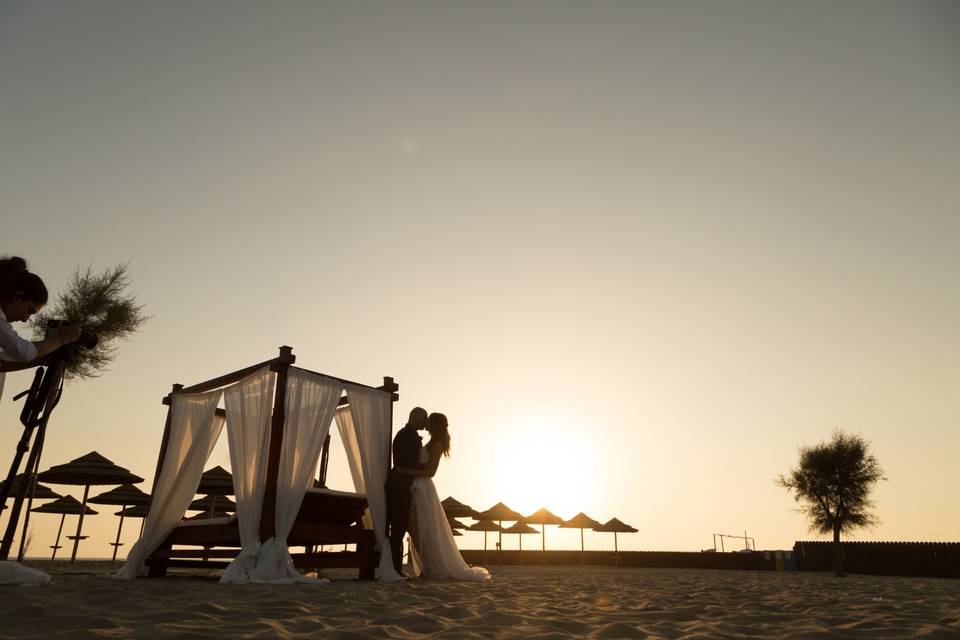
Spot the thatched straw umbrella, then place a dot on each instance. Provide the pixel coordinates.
(543, 518)
(498, 513)
(40, 492)
(453, 508)
(67, 505)
(135, 512)
(126, 495)
(213, 505)
(580, 521)
(85, 471)
(485, 526)
(615, 526)
(520, 528)
(455, 524)
(456, 533)
(216, 483)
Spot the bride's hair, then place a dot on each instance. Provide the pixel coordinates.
(438, 432)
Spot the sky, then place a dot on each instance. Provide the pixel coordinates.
(638, 252)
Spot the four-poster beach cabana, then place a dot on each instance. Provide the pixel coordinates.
(277, 417)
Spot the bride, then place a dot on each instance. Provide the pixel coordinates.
(433, 547)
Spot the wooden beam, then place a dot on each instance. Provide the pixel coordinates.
(267, 514)
(223, 380)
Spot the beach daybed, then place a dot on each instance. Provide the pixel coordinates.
(277, 417)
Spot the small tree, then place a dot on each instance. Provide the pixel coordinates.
(101, 304)
(832, 484)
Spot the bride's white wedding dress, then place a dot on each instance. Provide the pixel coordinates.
(436, 554)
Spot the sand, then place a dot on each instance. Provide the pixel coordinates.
(550, 602)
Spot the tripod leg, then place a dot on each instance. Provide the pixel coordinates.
(49, 389)
(32, 479)
(17, 505)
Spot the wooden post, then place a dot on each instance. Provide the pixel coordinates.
(56, 545)
(116, 544)
(390, 386)
(77, 538)
(269, 509)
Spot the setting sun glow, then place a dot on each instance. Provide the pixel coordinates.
(546, 465)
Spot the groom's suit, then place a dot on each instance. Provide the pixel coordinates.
(406, 453)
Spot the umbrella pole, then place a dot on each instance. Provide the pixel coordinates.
(143, 521)
(76, 538)
(26, 516)
(543, 535)
(116, 544)
(56, 545)
(583, 555)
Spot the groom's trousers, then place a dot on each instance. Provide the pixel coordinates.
(399, 500)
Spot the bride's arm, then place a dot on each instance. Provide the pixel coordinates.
(429, 471)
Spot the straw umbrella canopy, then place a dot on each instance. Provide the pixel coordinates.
(485, 526)
(615, 526)
(136, 512)
(456, 533)
(453, 508)
(455, 524)
(213, 505)
(580, 521)
(543, 517)
(520, 528)
(67, 505)
(216, 482)
(498, 513)
(125, 495)
(40, 491)
(85, 471)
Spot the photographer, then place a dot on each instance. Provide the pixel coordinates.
(22, 294)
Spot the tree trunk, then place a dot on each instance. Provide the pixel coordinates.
(837, 560)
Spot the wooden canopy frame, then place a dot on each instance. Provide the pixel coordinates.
(326, 518)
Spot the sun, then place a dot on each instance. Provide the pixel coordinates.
(546, 466)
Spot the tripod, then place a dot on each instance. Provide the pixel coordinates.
(42, 398)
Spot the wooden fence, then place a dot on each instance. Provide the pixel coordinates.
(653, 559)
(919, 559)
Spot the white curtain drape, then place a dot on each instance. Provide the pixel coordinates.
(311, 401)
(348, 435)
(194, 430)
(248, 405)
(365, 431)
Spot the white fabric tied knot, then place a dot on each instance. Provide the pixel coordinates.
(243, 567)
(275, 566)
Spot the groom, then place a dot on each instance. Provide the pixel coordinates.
(406, 453)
